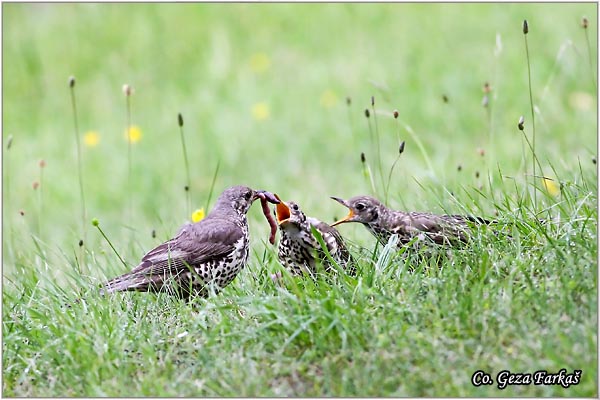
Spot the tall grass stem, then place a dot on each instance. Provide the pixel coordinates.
(414, 137)
(212, 185)
(589, 48)
(387, 187)
(188, 181)
(127, 90)
(79, 162)
(377, 142)
(97, 225)
(6, 166)
(532, 146)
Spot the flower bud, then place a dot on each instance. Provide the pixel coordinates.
(521, 123)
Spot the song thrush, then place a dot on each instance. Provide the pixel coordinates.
(299, 251)
(209, 252)
(382, 222)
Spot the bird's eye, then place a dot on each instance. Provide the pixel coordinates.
(295, 207)
(360, 206)
(248, 195)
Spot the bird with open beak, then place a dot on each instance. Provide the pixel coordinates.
(208, 253)
(299, 251)
(383, 222)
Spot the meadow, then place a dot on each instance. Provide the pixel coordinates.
(287, 97)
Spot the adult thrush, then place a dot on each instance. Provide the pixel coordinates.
(383, 222)
(299, 251)
(210, 252)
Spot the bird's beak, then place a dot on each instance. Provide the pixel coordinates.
(282, 211)
(347, 218)
(268, 196)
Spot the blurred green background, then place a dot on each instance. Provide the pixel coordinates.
(263, 89)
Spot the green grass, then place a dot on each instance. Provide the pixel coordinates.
(524, 299)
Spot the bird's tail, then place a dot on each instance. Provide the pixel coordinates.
(125, 282)
(479, 220)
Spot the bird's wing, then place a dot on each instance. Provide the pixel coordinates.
(422, 222)
(472, 219)
(441, 228)
(194, 244)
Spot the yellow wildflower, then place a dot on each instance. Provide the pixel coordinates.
(260, 62)
(329, 98)
(551, 186)
(135, 134)
(198, 215)
(260, 111)
(91, 138)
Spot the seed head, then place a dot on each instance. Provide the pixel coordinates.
(367, 113)
(180, 119)
(481, 152)
(521, 123)
(348, 100)
(401, 148)
(95, 222)
(372, 100)
(80, 242)
(186, 188)
(71, 81)
(459, 168)
(35, 185)
(22, 213)
(362, 158)
(127, 90)
(9, 142)
(525, 27)
(476, 174)
(486, 87)
(153, 233)
(594, 160)
(396, 114)
(42, 163)
(445, 98)
(584, 22)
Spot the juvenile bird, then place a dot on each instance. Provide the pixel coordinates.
(209, 252)
(299, 250)
(383, 222)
